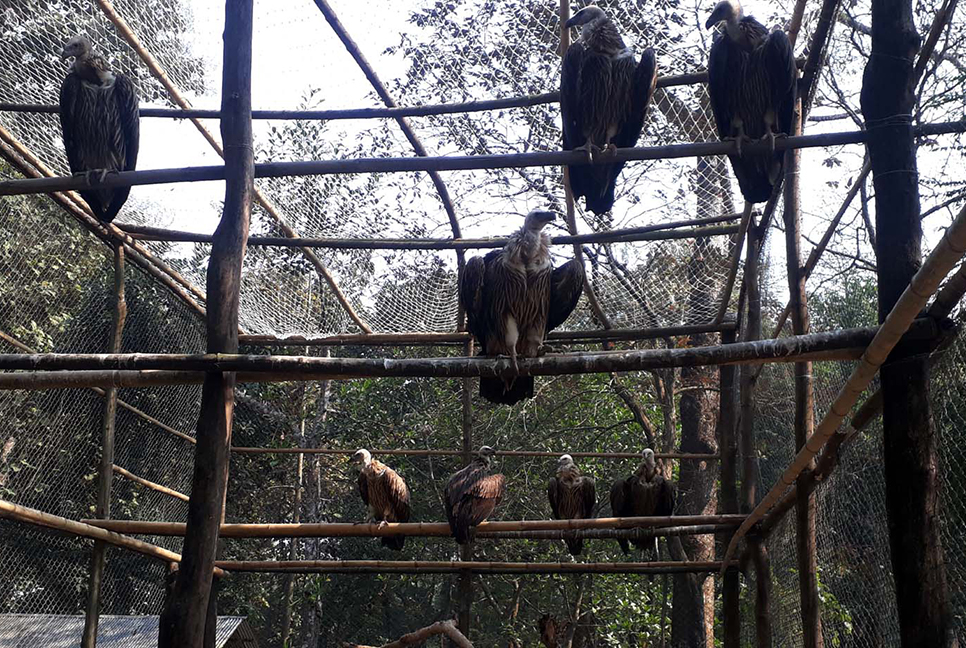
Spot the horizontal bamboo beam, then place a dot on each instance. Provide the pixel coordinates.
(658, 232)
(439, 339)
(445, 163)
(150, 484)
(423, 529)
(609, 534)
(455, 567)
(459, 453)
(838, 345)
(12, 511)
(371, 113)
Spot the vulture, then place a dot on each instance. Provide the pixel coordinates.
(644, 493)
(99, 119)
(471, 495)
(752, 81)
(384, 492)
(513, 297)
(572, 497)
(604, 95)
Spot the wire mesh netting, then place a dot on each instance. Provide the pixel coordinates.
(426, 52)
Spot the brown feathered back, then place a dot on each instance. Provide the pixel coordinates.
(387, 496)
(572, 497)
(470, 497)
(641, 495)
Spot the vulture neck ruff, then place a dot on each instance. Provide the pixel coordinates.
(92, 70)
(600, 35)
(568, 474)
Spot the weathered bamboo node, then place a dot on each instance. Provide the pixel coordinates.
(425, 529)
(447, 163)
(847, 344)
(684, 456)
(458, 566)
(18, 513)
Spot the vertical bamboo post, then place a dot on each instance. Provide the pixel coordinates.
(728, 447)
(105, 474)
(296, 518)
(749, 449)
(804, 405)
(183, 624)
(910, 454)
(466, 551)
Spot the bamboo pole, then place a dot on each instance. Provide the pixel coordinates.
(419, 637)
(821, 35)
(150, 484)
(440, 339)
(155, 67)
(102, 509)
(186, 615)
(806, 547)
(728, 447)
(465, 585)
(729, 286)
(446, 163)
(610, 534)
(685, 456)
(840, 344)
(460, 566)
(658, 232)
(18, 513)
(940, 261)
(422, 529)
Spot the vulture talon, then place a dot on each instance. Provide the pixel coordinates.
(589, 149)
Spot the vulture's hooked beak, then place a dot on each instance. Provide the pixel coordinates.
(712, 20)
(545, 216)
(583, 16)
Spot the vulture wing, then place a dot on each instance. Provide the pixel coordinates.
(396, 494)
(553, 494)
(619, 507)
(363, 487)
(128, 115)
(664, 497)
(588, 497)
(69, 92)
(724, 73)
(572, 115)
(471, 296)
(566, 284)
(778, 59)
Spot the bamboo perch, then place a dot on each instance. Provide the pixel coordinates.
(446, 163)
(150, 484)
(609, 534)
(924, 283)
(457, 566)
(435, 339)
(423, 529)
(658, 232)
(419, 637)
(12, 511)
(370, 113)
(499, 453)
(843, 344)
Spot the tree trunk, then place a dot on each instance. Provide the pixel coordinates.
(912, 493)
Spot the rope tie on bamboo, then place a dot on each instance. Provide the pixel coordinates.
(899, 119)
(904, 59)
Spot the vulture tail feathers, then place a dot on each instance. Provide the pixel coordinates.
(575, 545)
(625, 547)
(496, 391)
(394, 542)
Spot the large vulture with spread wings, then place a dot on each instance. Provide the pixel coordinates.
(472, 494)
(604, 94)
(99, 118)
(572, 497)
(645, 493)
(752, 83)
(513, 297)
(384, 492)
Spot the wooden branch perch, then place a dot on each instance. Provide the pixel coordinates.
(447, 628)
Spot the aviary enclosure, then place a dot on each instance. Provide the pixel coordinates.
(744, 351)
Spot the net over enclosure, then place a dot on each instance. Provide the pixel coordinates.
(376, 254)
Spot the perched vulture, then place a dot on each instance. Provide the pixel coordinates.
(644, 493)
(384, 492)
(513, 297)
(604, 95)
(572, 497)
(471, 495)
(752, 82)
(99, 118)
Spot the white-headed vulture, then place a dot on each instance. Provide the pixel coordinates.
(384, 492)
(472, 494)
(604, 94)
(752, 83)
(99, 118)
(572, 497)
(645, 493)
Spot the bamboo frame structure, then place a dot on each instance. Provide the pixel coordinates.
(447, 163)
(686, 456)
(462, 566)
(421, 529)
(127, 474)
(925, 282)
(18, 513)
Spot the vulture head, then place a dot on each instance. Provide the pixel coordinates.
(564, 461)
(537, 220)
(362, 458)
(587, 16)
(78, 47)
(727, 10)
(648, 456)
(485, 454)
